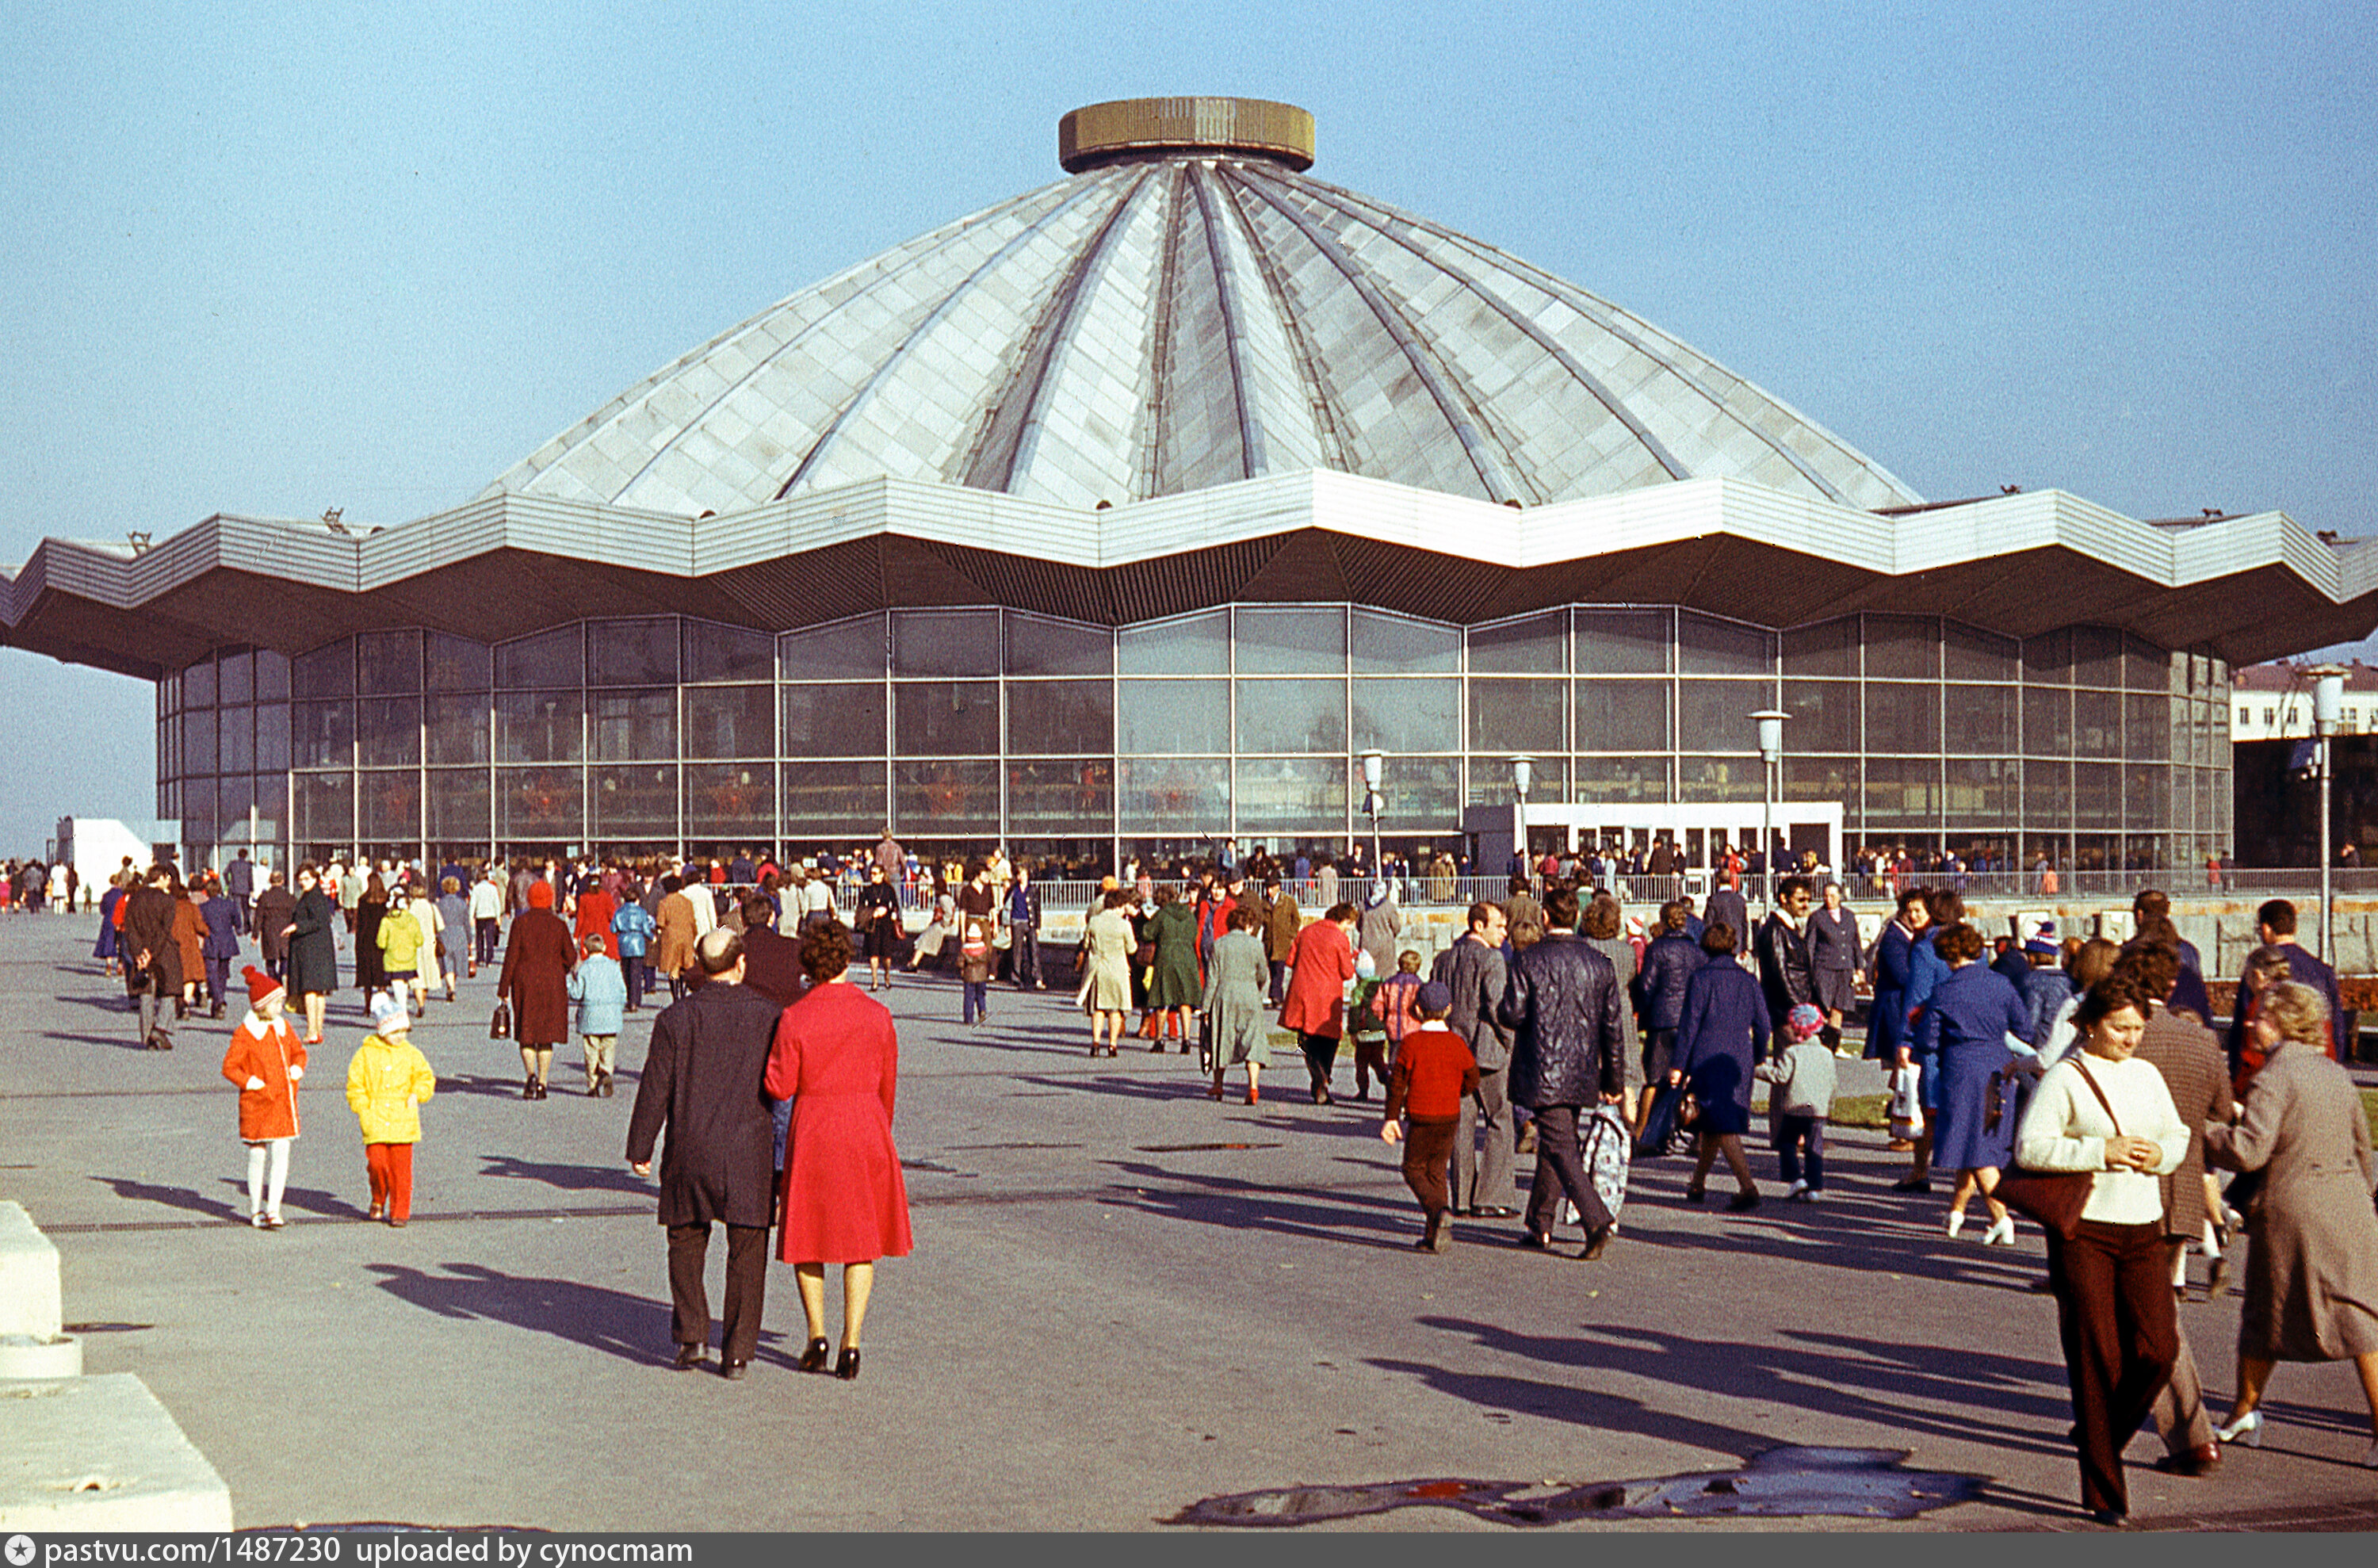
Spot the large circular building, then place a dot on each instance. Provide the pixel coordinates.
(1131, 512)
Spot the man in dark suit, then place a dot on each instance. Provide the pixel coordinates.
(2274, 923)
(152, 959)
(1787, 974)
(772, 961)
(702, 1082)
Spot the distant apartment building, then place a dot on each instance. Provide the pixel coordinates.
(2273, 702)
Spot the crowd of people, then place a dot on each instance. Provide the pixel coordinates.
(1550, 1025)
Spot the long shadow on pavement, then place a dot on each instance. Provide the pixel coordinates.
(569, 1178)
(180, 1197)
(633, 1328)
(1239, 1203)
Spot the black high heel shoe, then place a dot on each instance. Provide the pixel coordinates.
(846, 1366)
(813, 1359)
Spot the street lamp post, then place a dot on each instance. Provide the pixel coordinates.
(1523, 773)
(2327, 705)
(1373, 766)
(1770, 756)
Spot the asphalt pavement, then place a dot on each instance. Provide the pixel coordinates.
(1129, 1309)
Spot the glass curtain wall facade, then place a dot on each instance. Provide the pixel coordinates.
(1082, 743)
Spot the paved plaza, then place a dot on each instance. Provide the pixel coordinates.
(1125, 1303)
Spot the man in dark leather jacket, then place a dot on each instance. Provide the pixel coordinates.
(1787, 974)
(1473, 970)
(1562, 1009)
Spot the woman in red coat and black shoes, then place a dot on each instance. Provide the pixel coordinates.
(1322, 962)
(837, 1059)
(538, 957)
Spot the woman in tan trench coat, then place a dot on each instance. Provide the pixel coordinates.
(2311, 1257)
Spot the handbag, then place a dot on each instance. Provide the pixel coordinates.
(2055, 1199)
(1906, 1105)
(500, 1026)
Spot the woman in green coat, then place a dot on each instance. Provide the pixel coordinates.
(1172, 982)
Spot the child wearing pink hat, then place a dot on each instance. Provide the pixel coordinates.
(1801, 1080)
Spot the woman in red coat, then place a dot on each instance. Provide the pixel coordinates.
(1323, 961)
(266, 1060)
(538, 957)
(837, 1059)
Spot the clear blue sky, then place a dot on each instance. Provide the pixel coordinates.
(270, 259)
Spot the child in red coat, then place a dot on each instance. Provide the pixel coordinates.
(1434, 1074)
(266, 1060)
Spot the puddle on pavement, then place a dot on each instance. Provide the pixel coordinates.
(1194, 1148)
(1783, 1483)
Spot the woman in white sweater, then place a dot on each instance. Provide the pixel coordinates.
(2102, 1112)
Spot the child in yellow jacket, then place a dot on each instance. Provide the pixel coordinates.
(387, 1081)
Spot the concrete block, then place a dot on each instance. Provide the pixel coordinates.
(101, 1454)
(32, 1300)
(22, 1356)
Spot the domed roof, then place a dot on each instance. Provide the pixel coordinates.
(1190, 309)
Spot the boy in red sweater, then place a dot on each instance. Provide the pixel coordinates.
(1434, 1074)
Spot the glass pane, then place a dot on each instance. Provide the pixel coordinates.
(1075, 794)
(1423, 795)
(1824, 716)
(458, 664)
(2148, 730)
(197, 811)
(1830, 647)
(1622, 715)
(272, 738)
(1173, 715)
(1714, 716)
(1508, 717)
(326, 808)
(713, 652)
(945, 642)
(1297, 794)
(2096, 656)
(235, 796)
(1903, 648)
(945, 718)
(1407, 715)
(1174, 795)
(2146, 797)
(2048, 658)
(641, 652)
(1060, 717)
(945, 797)
(235, 739)
(2047, 722)
(1537, 646)
(538, 727)
(271, 807)
(459, 805)
(732, 798)
(325, 734)
(1984, 792)
(1902, 715)
(1039, 646)
(1619, 780)
(1292, 715)
(1391, 645)
(634, 726)
(390, 804)
(458, 731)
(1823, 779)
(1970, 655)
(1622, 642)
(551, 659)
(730, 721)
(2096, 794)
(387, 662)
(1981, 720)
(1901, 793)
(850, 649)
(836, 721)
(1706, 646)
(2048, 796)
(541, 805)
(198, 684)
(1196, 644)
(823, 798)
(634, 800)
(1720, 778)
(388, 733)
(1291, 640)
(2098, 724)
(1490, 781)
(235, 678)
(271, 675)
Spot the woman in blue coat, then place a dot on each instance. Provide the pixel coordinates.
(1721, 1037)
(1886, 1026)
(1964, 1033)
(106, 945)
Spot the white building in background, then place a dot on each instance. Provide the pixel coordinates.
(2273, 702)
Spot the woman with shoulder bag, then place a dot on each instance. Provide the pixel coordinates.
(2103, 1116)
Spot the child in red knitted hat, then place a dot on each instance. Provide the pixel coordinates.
(266, 1060)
